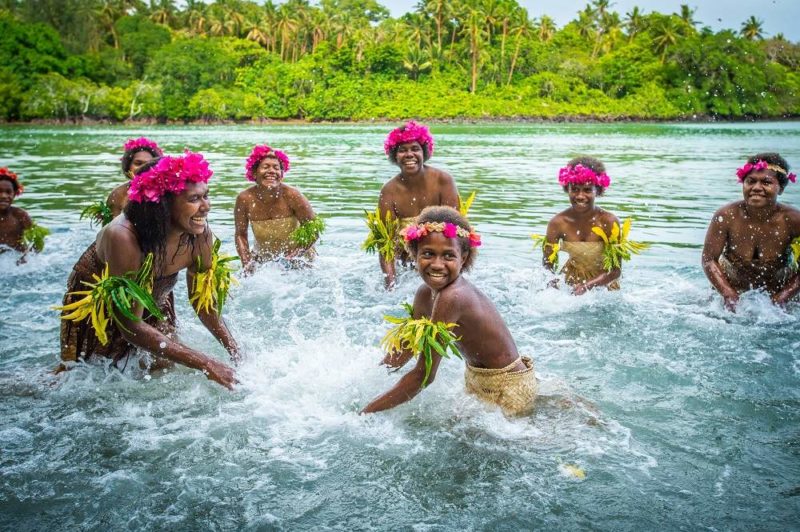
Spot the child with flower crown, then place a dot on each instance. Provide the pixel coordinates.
(750, 244)
(417, 186)
(584, 230)
(451, 316)
(283, 222)
(136, 153)
(13, 221)
(120, 293)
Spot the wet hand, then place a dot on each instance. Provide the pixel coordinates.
(730, 301)
(220, 373)
(580, 289)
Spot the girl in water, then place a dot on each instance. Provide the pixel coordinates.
(451, 316)
(283, 222)
(17, 230)
(120, 293)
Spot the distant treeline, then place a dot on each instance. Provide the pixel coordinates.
(349, 60)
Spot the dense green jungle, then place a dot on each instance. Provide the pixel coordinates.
(167, 61)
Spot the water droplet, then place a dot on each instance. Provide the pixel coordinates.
(147, 377)
(162, 345)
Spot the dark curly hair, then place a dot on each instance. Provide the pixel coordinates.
(14, 183)
(127, 157)
(774, 159)
(151, 221)
(444, 214)
(589, 162)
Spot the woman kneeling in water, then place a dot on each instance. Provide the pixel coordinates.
(450, 314)
(134, 263)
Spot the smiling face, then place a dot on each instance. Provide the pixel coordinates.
(269, 173)
(582, 197)
(410, 157)
(6, 194)
(761, 188)
(190, 209)
(439, 260)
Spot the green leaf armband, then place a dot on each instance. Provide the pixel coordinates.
(617, 247)
(540, 242)
(111, 297)
(422, 337)
(33, 237)
(383, 233)
(98, 212)
(308, 232)
(210, 288)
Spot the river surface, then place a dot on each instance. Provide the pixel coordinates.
(659, 409)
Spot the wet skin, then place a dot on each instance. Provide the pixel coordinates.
(269, 199)
(416, 186)
(575, 225)
(13, 220)
(754, 235)
(119, 196)
(446, 296)
(118, 246)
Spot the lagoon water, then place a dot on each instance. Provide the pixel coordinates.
(681, 415)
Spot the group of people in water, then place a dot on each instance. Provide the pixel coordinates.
(120, 293)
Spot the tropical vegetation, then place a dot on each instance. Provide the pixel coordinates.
(165, 60)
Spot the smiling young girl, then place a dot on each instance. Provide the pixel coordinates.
(573, 230)
(13, 220)
(134, 263)
(451, 314)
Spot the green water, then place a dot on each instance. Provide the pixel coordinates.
(682, 415)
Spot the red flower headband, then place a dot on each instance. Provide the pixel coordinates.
(170, 174)
(8, 175)
(258, 154)
(142, 143)
(581, 175)
(409, 133)
(742, 172)
(450, 230)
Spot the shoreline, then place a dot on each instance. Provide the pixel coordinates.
(567, 119)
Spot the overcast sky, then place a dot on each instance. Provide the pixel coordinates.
(778, 16)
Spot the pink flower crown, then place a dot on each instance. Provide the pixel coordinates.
(142, 143)
(8, 175)
(742, 172)
(170, 174)
(450, 230)
(581, 175)
(410, 132)
(256, 156)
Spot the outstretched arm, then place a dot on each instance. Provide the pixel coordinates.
(714, 245)
(241, 220)
(123, 255)
(406, 388)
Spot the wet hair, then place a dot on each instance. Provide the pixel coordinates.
(151, 221)
(441, 213)
(426, 152)
(127, 157)
(777, 160)
(14, 183)
(592, 163)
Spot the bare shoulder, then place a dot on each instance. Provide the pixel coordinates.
(728, 212)
(558, 221)
(608, 219)
(292, 193)
(391, 186)
(21, 215)
(120, 232)
(790, 213)
(443, 177)
(246, 194)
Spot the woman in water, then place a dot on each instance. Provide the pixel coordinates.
(164, 231)
(451, 315)
(283, 222)
(584, 229)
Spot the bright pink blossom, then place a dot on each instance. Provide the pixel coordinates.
(409, 132)
(581, 175)
(474, 239)
(142, 143)
(169, 175)
(413, 232)
(8, 175)
(450, 230)
(257, 155)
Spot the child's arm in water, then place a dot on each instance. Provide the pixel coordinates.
(396, 360)
(410, 384)
(241, 220)
(714, 245)
(387, 266)
(792, 286)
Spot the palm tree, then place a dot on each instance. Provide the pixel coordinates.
(438, 9)
(546, 28)
(666, 33)
(634, 22)
(521, 27)
(285, 26)
(473, 20)
(416, 61)
(752, 29)
(687, 19)
(162, 12)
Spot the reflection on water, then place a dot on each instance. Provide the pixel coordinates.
(679, 413)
